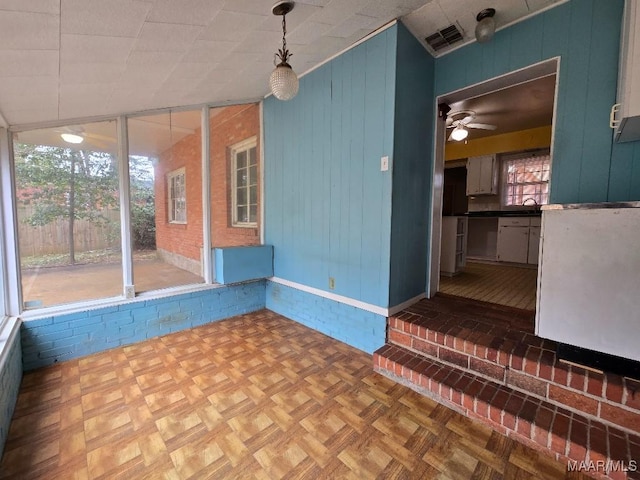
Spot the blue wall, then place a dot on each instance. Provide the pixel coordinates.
(412, 168)
(240, 264)
(62, 337)
(586, 35)
(351, 325)
(10, 378)
(327, 204)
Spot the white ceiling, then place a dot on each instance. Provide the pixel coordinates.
(71, 59)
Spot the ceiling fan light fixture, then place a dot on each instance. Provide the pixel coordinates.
(459, 133)
(283, 81)
(72, 138)
(486, 26)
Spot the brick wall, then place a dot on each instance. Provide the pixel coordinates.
(10, 378)
(356, 327)
(62, 337)
(228, 126)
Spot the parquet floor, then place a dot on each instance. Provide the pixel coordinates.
(256, 396)
(501, 284)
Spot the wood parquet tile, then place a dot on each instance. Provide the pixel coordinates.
(256, 396)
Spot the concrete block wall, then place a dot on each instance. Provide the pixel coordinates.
(10, 375)
(356, 327)
(56, 338)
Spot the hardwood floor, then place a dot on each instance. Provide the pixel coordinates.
(256, 396)
(500, 284)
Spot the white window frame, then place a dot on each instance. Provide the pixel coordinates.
(540, 198)
(171, 207)
(243, 146)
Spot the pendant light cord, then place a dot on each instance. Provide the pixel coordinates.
(284, 32)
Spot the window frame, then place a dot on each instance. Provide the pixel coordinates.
(539, 197)
(243, 146)
(171, 211)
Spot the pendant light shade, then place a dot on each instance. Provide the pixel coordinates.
(486, 26)
(459, 133)
(283, 81)
(72, 138)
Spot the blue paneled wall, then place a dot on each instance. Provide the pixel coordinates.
(62, 337)
(327, 204)
(412, 168)
(587, 167)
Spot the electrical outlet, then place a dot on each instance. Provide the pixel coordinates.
(384, 164)
(332, 283)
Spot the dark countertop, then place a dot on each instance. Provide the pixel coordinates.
(505, 213)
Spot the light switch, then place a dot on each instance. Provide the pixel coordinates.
(384, 164)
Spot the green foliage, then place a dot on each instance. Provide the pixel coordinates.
(143, 212)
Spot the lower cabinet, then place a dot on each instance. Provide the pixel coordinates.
(518, 240)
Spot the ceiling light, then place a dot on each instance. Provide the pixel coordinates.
(72, 138)
(283, 80)
(459, 133)
(486, 25)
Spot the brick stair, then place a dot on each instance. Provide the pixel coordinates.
(475, 358)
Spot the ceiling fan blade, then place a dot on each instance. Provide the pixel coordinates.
(482, 126)
(467, 119)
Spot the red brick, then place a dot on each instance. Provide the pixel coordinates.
(560, 374)
(595, 383)
(454, 357)
(620, 416)
(573, 400)
(532, 360)
(617, 445)
(523, 427)
(577, 378)
(560, 433)
(614, 388)
(400, 338)
(632, 399)
(425, 347)
(579, 439)
(542, 424)
(486, 368)
(456, 397)
(529, 410)
(468, 402)
(517, 357)
(495, 414)
(597, 443)
(527, 383)
(500, 399)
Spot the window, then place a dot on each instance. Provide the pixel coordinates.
(177, 196)
(526, 180)
(244, 191)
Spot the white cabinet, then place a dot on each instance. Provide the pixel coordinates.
(534, 244)
(628, 125)
(453, 250)
(482, 175)
(513, 239)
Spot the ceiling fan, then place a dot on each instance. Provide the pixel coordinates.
(77, 135)
(461, 121)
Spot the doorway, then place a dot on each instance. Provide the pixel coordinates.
(514, 117)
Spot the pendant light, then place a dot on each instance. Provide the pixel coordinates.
(486, 26)
(283, 81)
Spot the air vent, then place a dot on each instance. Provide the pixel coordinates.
(444, 38)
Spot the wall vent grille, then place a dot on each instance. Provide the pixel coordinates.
(444, 38)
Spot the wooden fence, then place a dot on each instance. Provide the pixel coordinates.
(54, 237)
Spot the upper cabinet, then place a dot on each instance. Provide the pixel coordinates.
(625, 115)
(482, 175)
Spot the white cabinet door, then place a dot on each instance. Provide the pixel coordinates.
(513, 244)
(481, 175)
(534, 245)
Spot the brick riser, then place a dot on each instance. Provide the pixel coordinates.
(523, 362)
(569, 436)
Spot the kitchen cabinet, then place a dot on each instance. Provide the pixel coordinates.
(453, 250)
(534, 242)
(482, 175)
(628, 106)
(513, 239)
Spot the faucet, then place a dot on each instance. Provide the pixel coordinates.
(524, 202)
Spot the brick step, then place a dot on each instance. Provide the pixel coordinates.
(568, 435)
(521, 361)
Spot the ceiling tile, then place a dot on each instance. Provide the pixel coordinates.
(94, 49)
(43, 112)
(208, 51)
(260, 42)
(167, 37)
(36, 6)
(352, 25)
(29, 63)
(114, 18)
(337, 10)
(231, 25)
(29, 31)
(309, 33)
(188, 12)
(79, 73)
